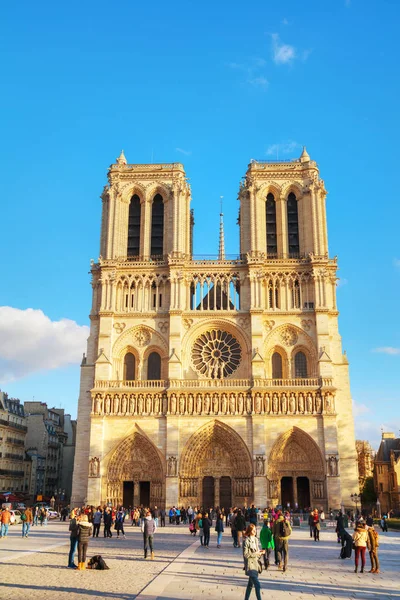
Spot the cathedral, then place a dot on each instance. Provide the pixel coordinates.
(215, 382)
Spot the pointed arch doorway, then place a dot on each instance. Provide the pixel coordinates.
(216, 469)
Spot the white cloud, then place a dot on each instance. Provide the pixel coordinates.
(258, 81)
(285, 21)
(30, 342)
(282, 53)
(387, 350)
(182, 151)
(283, 148)
(360, 409)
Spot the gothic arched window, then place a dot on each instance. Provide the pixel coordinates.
(277, 369)
(129, 367)
(270, 218)
(300, 365)
(293, 225)
(134, 226)
(296, 300)
(157, 226)
(154, 366)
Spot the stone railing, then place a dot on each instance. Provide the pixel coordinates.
(134, 383)
(209, 383)
(294, 382)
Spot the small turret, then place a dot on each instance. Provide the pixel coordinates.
(305, 157)
(121, 160)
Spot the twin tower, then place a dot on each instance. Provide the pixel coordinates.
(214, 382)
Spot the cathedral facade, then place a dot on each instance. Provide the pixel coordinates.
(215, 382)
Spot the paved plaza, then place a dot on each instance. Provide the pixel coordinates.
(34, 569)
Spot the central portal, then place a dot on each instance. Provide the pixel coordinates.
(145, 493)
(127, 495)
(225, 493)
(208, 492)
(287, 491)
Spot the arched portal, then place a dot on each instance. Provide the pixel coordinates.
(216, 465)
(296, 471)
(135, 474)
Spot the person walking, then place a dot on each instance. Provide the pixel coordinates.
(232, 523)
(206, 529)
(267, 542)
(282, 532)
(73, 539)
(162, 517)
(311, 523)
(316, 526)
(372, 545)
(84, 533)
(107, 518)
(240, 523)
(119, 522)
(251, 554)
(360, 537)
(5, 522)
(219, 528)
(97, 522)
(27, 522)
(149, 528)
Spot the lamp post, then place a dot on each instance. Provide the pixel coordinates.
(356, 498)
(378, 508)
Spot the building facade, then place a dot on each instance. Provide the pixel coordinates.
(215, 382)
(387, 473)
(15, 468)
(365, 458)
(44, 442)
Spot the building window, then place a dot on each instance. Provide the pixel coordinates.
(300, 365)
(154, 366)
(270, 217)
(276, 366)
(293, 226)
(129, 367)
(134, 226)
(157, 226)
(296, 300)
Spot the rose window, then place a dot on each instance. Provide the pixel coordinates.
(216, 354)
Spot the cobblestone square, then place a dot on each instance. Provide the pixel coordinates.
(35, 568)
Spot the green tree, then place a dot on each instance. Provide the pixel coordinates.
(368, 494)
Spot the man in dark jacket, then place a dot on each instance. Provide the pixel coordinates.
(240, 523)
(107, 522)
(73, 528)
(206, 529)
(149, 528)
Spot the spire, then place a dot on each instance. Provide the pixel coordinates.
(221, 252)
(121, 160)
(305, 157)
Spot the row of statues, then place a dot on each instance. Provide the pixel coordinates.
(217, 403)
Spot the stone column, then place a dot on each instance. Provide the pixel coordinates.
(136, 492)
(216, 492)
(295, 497)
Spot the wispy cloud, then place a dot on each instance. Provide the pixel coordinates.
(347, 3)
(283, 148)
(182, 151)
(282, 54)
(258, 81)
(387, 350)
(285, 21)
(360, 409)
(253, 71)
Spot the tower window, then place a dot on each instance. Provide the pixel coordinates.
(129, 367)
(270, 217)
(300, 365)
(293, 225)
(157, 226)
(154, 366)
(277, 366)
(296, 303)
(134, 226)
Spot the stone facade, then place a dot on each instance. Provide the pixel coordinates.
(387, 473)
(15, 468)
(215, 381)
(365, 458)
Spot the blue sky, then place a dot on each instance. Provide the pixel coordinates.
(211, 85)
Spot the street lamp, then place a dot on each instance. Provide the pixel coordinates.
(378, 508)
(356, 498)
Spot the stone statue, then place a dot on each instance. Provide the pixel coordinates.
(199, 403)
(132, 404)
(182, 404)
(257, 403)
(148, 404)
(333, 470)
(232, 403)
(156, 404)
(266, 404)
(260, 465)
(140, 404)
(275, 403)
(172, 466)
(123, 404)
(292, 404)
(215, 404)
(240, 403)
(97, 401)
(94, 467)
(190, 404)
(172, 404)
(248, 404)
(207, 404)
(301, 404)
(318, 404)
(164, 404)
(108, 404)
(328, 403)
(284, 403)
(116, 404)
(309, 404)
(224, 404)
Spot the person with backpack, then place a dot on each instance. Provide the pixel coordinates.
(251, 555)
(267, 542)
(119, 522)
(282, 532)
(84, 533)
(27, 519)
(206, 529)
(360, 537)
(149, 528)
(240, 523)
(372, 545)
